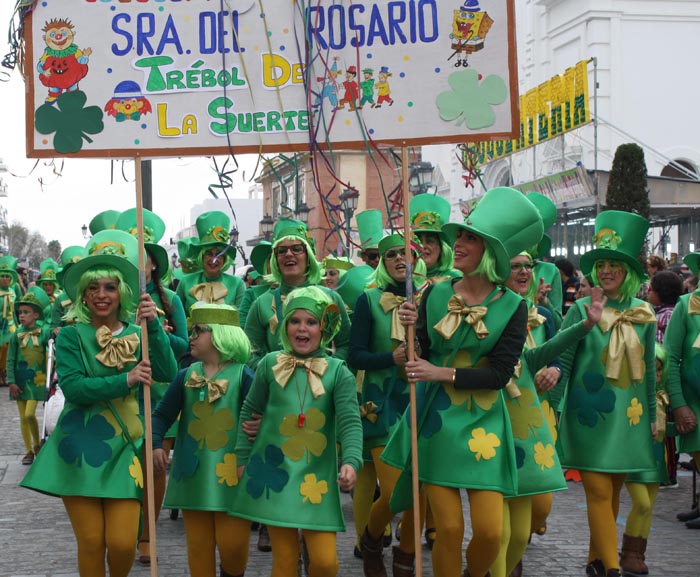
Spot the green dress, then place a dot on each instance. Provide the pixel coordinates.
(26, 362)
(681, 342)
(605, 424)
(225, 289)
(7, 315)
(95, 449)
(58, 309)
(464, 435)
(550, 273)
(291, 472)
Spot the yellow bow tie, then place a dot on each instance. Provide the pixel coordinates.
(273, 322)
(209, 292)
(116, 351)
(368, 411)
(534, 320)
(391, 303)
(512, 387)
(215, 387)
(32, 336)
(456, 309)
(624, 339)
(315, 369)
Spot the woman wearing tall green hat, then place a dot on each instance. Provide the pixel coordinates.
(8, 278)
(69, 256)
(609, 401)
(214, 255)
(172, 316)
(471, 332)
(92, 458)
(370, 227)
(378, 347)
(260, 259)
(292, 265)
(48, 279)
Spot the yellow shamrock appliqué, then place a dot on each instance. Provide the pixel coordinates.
(128, 410)
(312, 489)
(483, 445)
(34, 357)
(634, 411)
(40, 378)
(227, 472)
(524, 414)
(473, 398)
(551, 418)
(544, 455)
(210, 427)
(306, 438)
(136, 472)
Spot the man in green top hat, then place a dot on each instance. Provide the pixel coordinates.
(8, 276)
(69, 256)
(370, 226)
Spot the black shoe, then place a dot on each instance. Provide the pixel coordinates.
(264, 540)
(694, 524)
(356, 552)
(174, 514)
(686, 465)
(255, 526)
(689, 515)
(595, 569)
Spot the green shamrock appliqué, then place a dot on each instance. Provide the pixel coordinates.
(23, 374)
(470, 102)
(185, 460)
(432, 421)
(265, 475)
(85, 440)
(391, 400)
(591, 400)
(71, 122)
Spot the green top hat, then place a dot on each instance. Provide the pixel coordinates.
(370, 227)
(48, 271)
(507, 221)
(692, 260)
(340, 263)
(8, 265)
(353, 284)
(548, 212)
(213, 314)
(187, 253)
(106, 220)
(429, 212)
(108, 248)
(37, 298)
(212, 230)
(153, 231)
(619, 235)
(259, 256)
(69, 256)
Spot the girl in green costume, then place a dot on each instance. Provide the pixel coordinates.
(289, 476)
(377, 346)
(203, 480)
(471, 332)
(92, 458)
(609, 407)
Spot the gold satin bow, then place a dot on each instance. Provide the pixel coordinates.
(391, 302)
(368, 411)
(456, 309)
(534, 320)
(274, 322)
(512, 387)
(209, 292)
(116, 351)
(662, 401)
(215, 387)
(315, 369)
(32, 335)
(624, 339)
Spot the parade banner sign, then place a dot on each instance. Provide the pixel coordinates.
(123, 78)
(554, 107)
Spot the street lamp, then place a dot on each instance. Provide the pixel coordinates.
(84, 230)
(421, 177)
(348, 202)
(303, 213)
(234, 234)
(266, 227)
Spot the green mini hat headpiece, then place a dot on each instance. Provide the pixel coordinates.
(37, 298)
(213, 314)
(48, 271)
(429, 213)
(316, 302)
(153, 231)
(8, 265)
(370, 227)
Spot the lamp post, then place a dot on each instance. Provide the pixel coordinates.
(303, 213)
(421, 177)
(84, 230)
(234, 234)
(266, 227)
(348, 202)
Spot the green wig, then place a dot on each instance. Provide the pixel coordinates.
(231, 342)
(382, 279)
(487, 267)
(79, 311)
(629, 287)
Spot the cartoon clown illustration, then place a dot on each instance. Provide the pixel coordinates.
(127, 102)
(329, 89)
(351, 89)
(383, 88)
(62, 65)
(469, 29)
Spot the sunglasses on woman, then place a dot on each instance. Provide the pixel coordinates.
(295, 249)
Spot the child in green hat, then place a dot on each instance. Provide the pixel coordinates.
(303, 394)
(26, 366)
(215, 385)
(69, 256)
(8, 277)
(48, 279)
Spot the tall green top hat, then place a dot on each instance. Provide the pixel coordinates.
(619, 235)
(186, 252)
(69, 256)
(37, 298)
(507, 221)
(108, 248)
(213, 230)
(106, 220)
(353, 283)
(692, 260)
(153, 231)
(548, 212)
(371, 228)
(8, 265)
(48, 271)
(429, 212)
(259, 256)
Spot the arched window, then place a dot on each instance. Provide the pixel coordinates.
(672, 171)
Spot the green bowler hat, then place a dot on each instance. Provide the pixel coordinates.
(108, 248)
(548, 212)
(105, 220)
(8, 265)
(260, 255)
(619, 235)
(507, 221)
(212, 230)
(692, 260)
(352, 284)
(48, 271)
(35, 297)
(153, 231)
(429, 213)
(213, 314)
(370, 226)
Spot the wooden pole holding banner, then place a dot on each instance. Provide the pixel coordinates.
(411, 353)
(148, 440)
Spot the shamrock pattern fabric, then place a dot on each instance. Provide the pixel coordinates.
(26, 362)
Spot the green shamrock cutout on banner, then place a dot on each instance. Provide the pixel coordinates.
(71, 121)
(470, 102)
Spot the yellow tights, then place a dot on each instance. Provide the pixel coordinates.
(517, 513)
(639, 520)
(321, 546)
(541, 508)
(603, 502)
(28, 424)
(206, 531)
(104, 526)
(486, 511)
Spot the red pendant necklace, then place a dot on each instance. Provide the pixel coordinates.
(301, 417)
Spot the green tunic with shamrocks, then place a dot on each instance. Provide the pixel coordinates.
(59, 308)
(26, 362)
(291, 469)
(605, 423)
(95, 449)
(7, 315)
(195, 287)
(682, 341)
